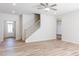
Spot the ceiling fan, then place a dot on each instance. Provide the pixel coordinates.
(47, 7)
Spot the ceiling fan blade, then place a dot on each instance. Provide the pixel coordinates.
(53, 9)
(40, 8)
(53, 5)
(46, 4)
(42, 4)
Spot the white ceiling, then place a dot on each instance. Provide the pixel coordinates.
(23, 8)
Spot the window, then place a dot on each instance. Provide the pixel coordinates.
(10, 26)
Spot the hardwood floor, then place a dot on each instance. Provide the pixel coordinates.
(10, 47)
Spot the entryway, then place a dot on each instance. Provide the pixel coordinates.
(9, 29)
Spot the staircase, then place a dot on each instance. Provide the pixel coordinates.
(30, 30)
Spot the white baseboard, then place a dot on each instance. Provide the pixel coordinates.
(38, 41)
(71, 41)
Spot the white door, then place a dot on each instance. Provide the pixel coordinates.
(9, 29)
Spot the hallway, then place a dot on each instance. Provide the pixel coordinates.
(10, 47)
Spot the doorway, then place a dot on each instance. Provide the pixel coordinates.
(10, 29)
(59, 31)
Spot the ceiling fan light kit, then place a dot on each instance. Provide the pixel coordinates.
(47, 9)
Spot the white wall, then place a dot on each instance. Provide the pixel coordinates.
(47, 30)
(27, 21)
(3, 18)
(70, 27)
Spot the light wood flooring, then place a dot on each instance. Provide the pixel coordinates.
(10, 47)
